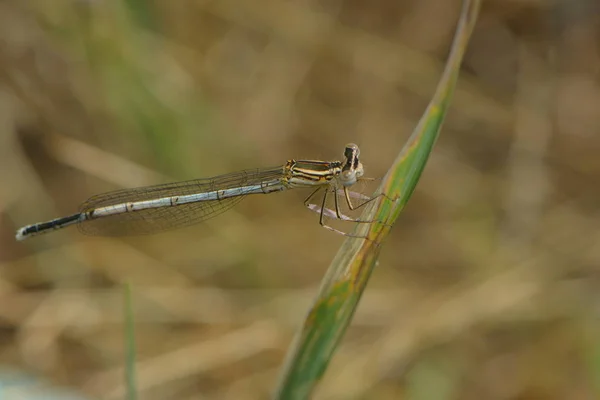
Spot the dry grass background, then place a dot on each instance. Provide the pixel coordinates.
(488, 287)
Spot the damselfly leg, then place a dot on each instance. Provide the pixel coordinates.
(336, 213)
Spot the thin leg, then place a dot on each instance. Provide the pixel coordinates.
(310, 196)
(338, 213)
(354, 195)
(348, 199)
(321, 217)
(352, 207)
(322, 209)
(349, 202)
(339, 216)
(343, 218)
(341, 232)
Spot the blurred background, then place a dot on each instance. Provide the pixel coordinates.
(486, 289)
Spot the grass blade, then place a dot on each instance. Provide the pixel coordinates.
(129, 346)
(348, 273)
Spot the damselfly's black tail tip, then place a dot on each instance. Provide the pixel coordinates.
(22, 234)
(49, 226)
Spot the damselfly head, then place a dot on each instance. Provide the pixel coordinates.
(352, 169)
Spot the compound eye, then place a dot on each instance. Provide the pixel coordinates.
(351, 149)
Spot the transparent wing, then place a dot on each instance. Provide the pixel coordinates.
(153, 220)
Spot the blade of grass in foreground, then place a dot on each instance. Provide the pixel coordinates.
(129, 346)
(348, 274)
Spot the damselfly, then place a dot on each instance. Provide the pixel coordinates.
(158, 208)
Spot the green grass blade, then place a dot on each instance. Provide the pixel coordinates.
(348, 274)
(129, 346)
(143, 12)
(591, 354)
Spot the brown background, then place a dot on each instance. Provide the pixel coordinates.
(488, 286)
